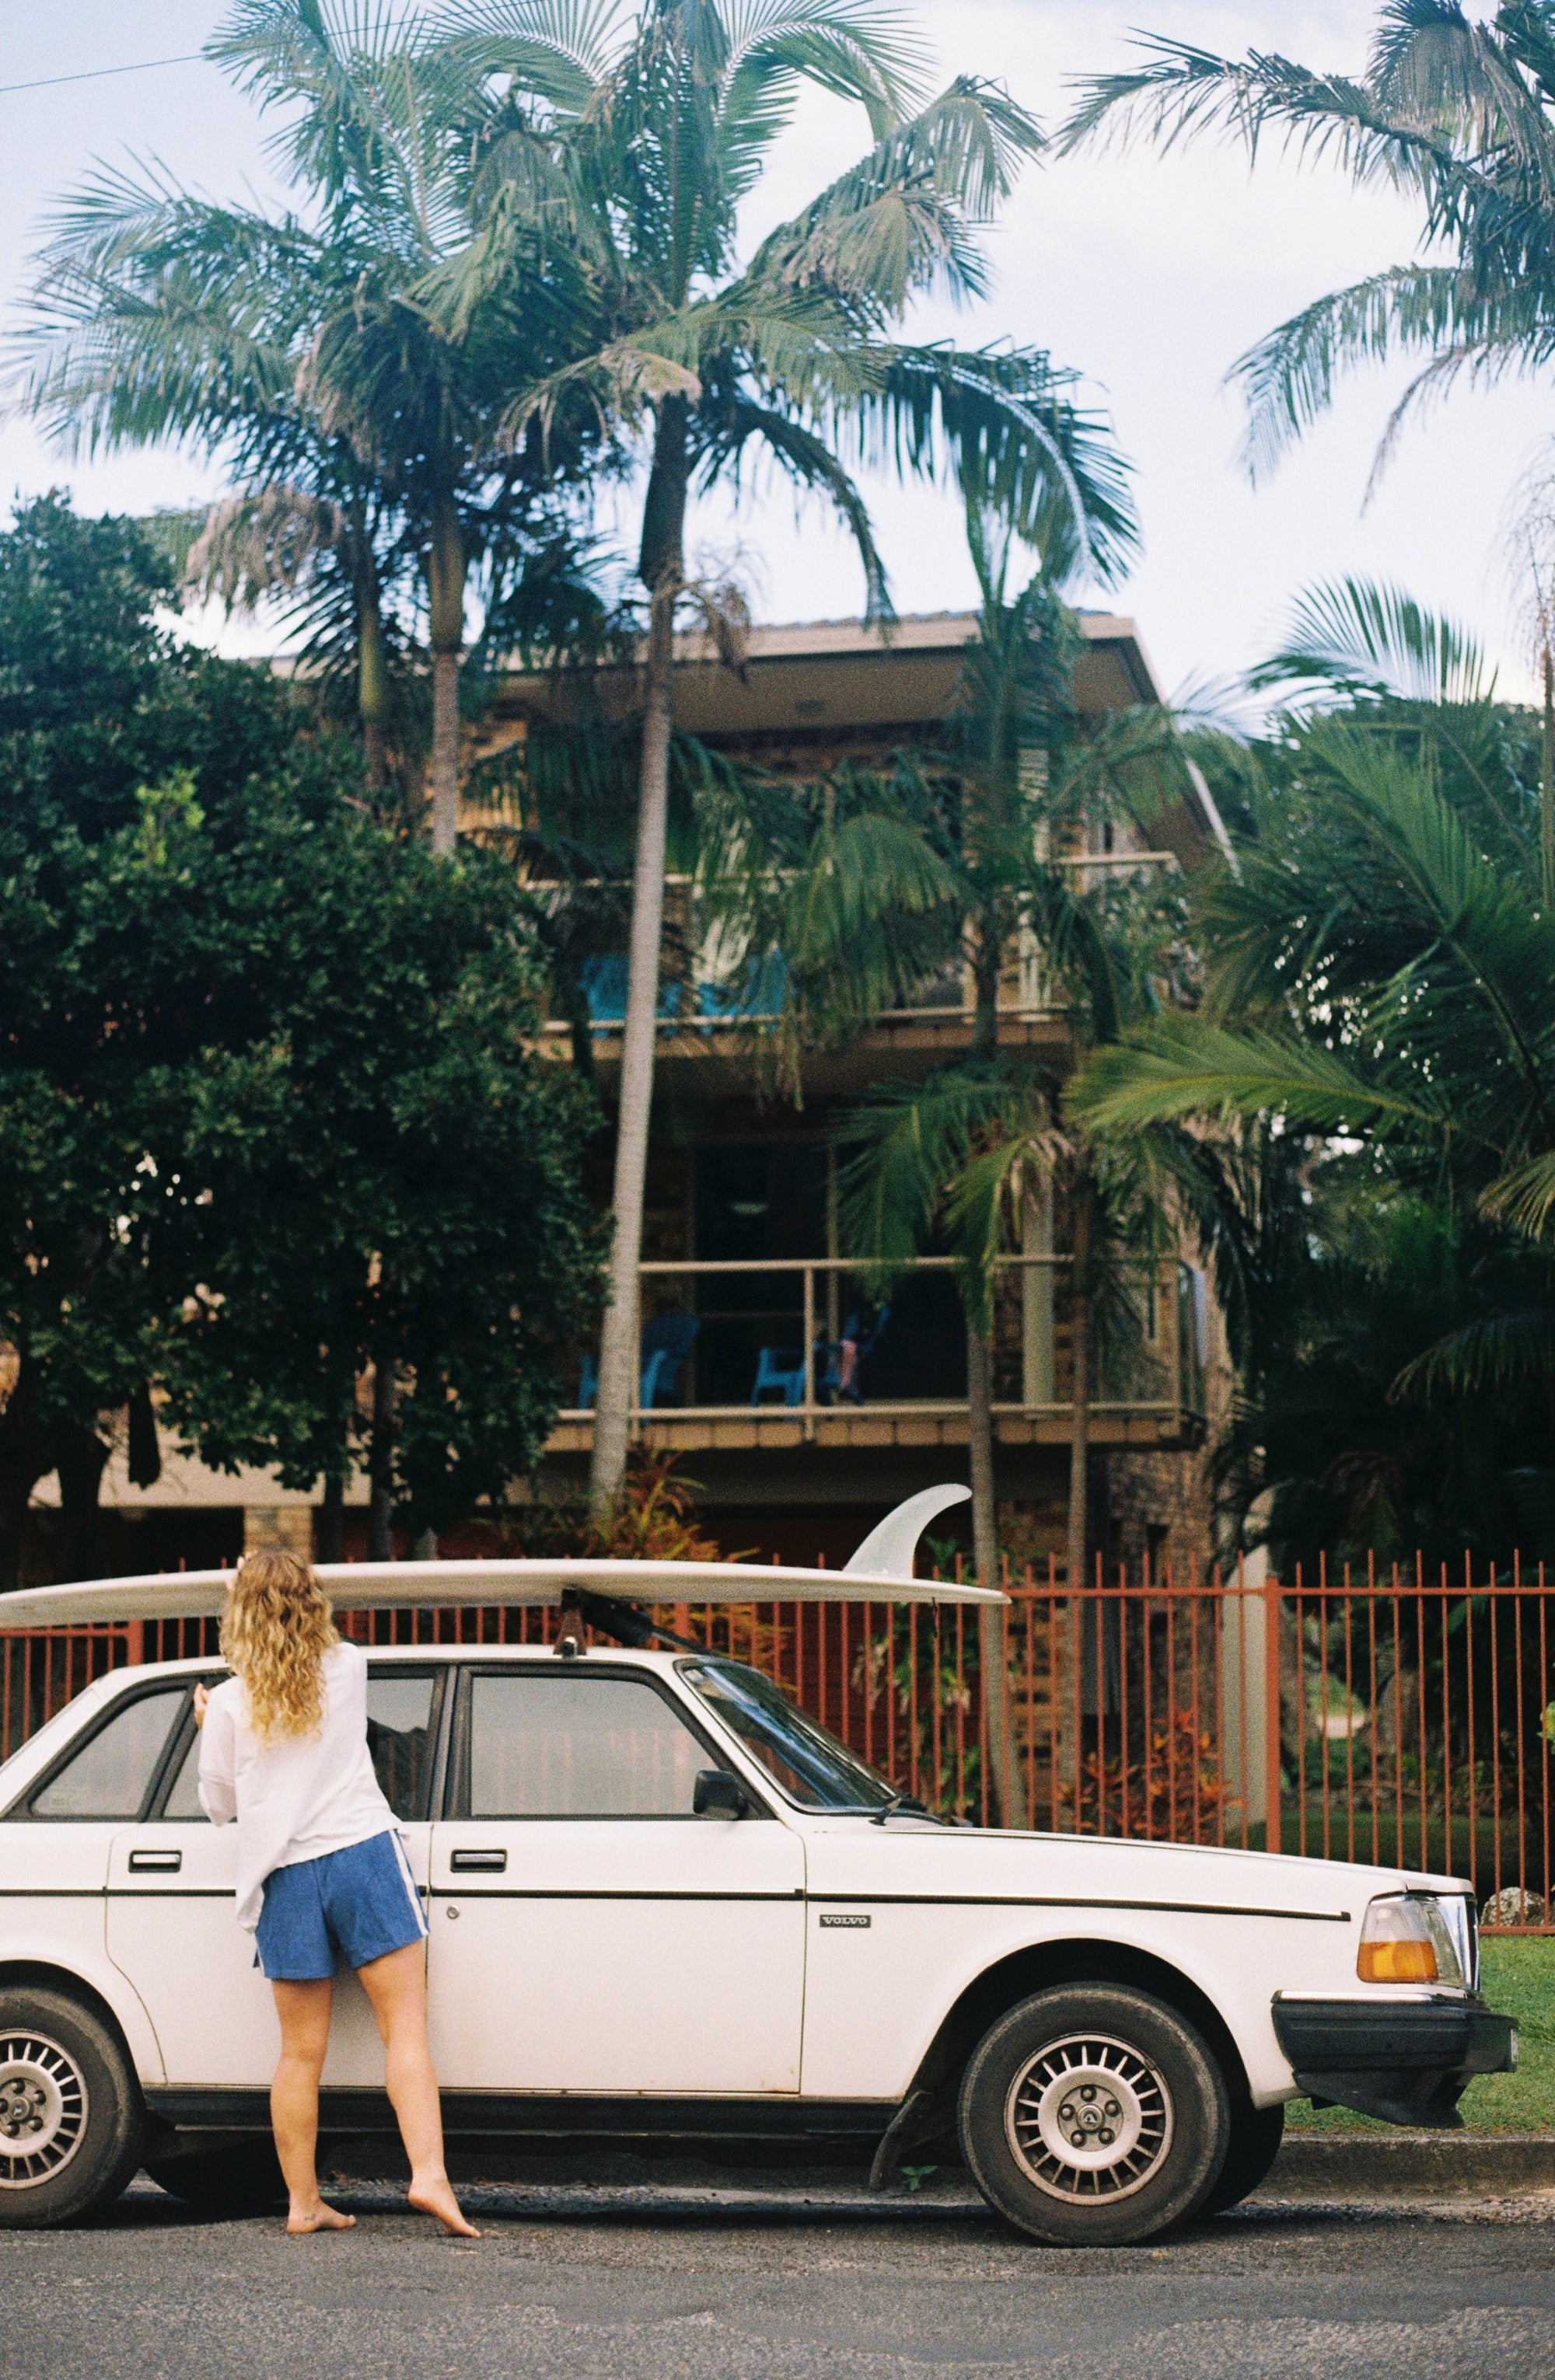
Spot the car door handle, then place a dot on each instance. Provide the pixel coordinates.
(490, 1862)
(155, 1863)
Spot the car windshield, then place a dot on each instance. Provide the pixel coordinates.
(802, 1758)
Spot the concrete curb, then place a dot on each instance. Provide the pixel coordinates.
(1438, 2164)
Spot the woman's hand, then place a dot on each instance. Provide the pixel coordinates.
(201, 1699)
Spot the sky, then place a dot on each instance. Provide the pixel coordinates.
(1148, 276)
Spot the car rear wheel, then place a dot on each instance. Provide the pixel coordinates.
(241, 2176)
(71, 2120)
(1255, 2135)
(1094, 2113)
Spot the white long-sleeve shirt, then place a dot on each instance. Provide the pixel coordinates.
(294, 1797)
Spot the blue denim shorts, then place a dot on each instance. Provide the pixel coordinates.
(344, 1910)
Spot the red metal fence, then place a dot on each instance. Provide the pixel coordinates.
(1404, 1720)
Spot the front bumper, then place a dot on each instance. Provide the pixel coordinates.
(1405, 2060)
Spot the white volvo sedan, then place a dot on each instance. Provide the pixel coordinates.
(664, 1905)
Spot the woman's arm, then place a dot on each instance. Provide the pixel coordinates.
(218, 1745)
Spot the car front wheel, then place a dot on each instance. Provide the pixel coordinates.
(1255, 2135)
(71, 2122)
(1094, 2113)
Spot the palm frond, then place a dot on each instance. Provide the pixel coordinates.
(1365, 635)
(1503, 1351)
(1524, 1198)
(1003, 424)
(807, 462)
(910, 1143)
(1184, 1066)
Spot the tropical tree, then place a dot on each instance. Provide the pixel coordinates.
(270, 1115)
(1456, 112)
(297, 351)
(1377, 972)
(632, 135)
(972, 846)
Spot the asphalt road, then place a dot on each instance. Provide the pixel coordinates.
(1345, 2291)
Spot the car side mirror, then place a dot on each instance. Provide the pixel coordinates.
(716, 1794)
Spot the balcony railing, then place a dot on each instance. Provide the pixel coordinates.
(806, 1340)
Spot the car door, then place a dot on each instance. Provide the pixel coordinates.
(588, 1932)
(59, 1839)
(171, 1927)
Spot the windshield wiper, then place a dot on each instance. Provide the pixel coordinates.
(898, 1802)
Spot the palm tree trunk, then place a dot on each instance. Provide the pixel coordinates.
(373, 688)
(992, 1654)
(992, 1649)
(1546, 786)
(660, 566)
(445, 625)
(1079, 1424)
(1068, 1673)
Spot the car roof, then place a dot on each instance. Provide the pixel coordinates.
(414, 1656)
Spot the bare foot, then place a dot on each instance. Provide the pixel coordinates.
(319, 2218)
(437, 2198)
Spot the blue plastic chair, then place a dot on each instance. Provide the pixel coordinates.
(605, 989)
(780, 1367)
(665, 1343)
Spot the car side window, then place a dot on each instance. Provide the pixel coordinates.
(567, 1746)
(112, 1774)
(401, 1731)
(400, 1736)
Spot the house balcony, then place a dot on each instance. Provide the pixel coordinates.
(792, 1352)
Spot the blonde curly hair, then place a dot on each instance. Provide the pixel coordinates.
(275, 1631)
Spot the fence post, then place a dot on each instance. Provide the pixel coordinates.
(1271, 1714)
(135, 1650)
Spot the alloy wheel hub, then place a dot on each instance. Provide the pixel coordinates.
(42, 2110)
(1088, 2117)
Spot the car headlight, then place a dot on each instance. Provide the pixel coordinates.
(1405, 1939)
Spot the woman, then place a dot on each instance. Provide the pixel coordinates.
(322, 1874)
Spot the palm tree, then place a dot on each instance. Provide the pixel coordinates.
(1458, 113)
(299, 352)
(637, 176)
(1379, 966)
(972, 1154)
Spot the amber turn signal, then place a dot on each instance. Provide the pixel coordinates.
(1405, 1939)
(1396, 1962)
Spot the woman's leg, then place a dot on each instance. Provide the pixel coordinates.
(304, 2010)
(396, 1986)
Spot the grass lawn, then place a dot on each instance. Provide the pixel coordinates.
(1519, 1978)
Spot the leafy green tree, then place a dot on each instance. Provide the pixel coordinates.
(639, 169)
(392, 1178)
(1456, 112)
(270, 1110)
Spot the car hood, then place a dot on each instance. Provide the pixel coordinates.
(993, 1862)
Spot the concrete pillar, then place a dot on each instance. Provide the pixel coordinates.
(1244, 1691)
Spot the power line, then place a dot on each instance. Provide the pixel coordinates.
(97, 74)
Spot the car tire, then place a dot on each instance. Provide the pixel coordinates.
(1094, 2115)
(1255, 2135)
(71, 2117)
(237, 2178)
